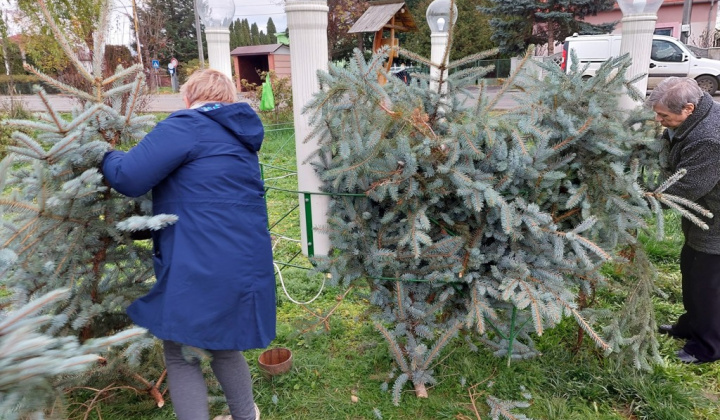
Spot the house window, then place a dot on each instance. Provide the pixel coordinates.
(663, 31)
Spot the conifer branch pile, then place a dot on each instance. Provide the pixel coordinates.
(492, 222)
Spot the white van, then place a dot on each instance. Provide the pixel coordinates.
(668, 57)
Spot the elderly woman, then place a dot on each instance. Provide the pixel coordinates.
(692, 121)
(215, 285)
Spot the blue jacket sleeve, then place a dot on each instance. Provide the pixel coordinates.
(163, 150)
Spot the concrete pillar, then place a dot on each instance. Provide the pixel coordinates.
(307, 25)
(218, 44)
(637, 40)
(438, 45)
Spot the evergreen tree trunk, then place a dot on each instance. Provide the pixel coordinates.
(551, 38)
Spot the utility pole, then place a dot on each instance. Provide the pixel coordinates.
(686, 17)
(709, 36)
(201, 55)
(137, 34)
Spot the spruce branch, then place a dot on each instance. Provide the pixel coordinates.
(578, 317)
(32, 148)
(394, 347)
(58, 85)
(59, 123)
(535, 305)
(135, 69)
(62, 40)
(399, 295)
(441, 342)
(473, 57)
(671, 180)
(153, 389)
(13, 321)
(582, 130)
(688, 204)
(99, 47)
(500, 408)
(134, 96)
(325, 319)
(519, 140)
(670, 203)
(510, 80)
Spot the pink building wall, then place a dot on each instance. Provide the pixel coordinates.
(670, 17)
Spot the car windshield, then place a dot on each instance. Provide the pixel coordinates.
(687, 50)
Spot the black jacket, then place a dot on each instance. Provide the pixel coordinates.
(696, 147)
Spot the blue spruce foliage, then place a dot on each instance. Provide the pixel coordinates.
(62, 227)
(479, 221)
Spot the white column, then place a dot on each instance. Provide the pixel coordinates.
(307, 24)
(218, 44)
(637, 35)
(438, 44)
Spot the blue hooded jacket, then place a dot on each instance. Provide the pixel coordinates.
(215, 284)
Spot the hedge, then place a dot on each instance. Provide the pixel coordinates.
(23, 84)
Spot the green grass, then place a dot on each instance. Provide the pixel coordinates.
(346, 357)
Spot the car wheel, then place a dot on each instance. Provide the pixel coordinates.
(707, 83)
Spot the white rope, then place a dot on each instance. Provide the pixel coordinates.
(279, 177)
(284, 237)
(282, 282)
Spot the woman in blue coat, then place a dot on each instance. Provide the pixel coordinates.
(215, 287)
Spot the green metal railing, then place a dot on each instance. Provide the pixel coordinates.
(284, 134)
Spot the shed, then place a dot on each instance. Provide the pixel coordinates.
(385, 16)
(251, 59)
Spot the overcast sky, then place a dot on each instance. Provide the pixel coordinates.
(255, 11)
(260, 11)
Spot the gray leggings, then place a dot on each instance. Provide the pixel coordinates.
(188, 390)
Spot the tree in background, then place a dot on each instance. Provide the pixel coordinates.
(176, 36)
(76, 18)
(243, 34)
(271, 31)
(471, 23)
(517, 24)
(240, 33)
(152, 34)
(341, 17)
(255, 35)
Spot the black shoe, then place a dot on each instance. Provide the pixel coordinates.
(685, 357)
(669, 329)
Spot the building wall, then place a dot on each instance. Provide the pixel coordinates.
(670, 18)
(281, 65)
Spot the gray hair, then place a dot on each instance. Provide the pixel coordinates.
(675, 93)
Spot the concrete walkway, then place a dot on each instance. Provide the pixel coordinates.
(174, 102)
(64, 103)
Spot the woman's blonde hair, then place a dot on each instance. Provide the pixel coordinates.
(209, 85)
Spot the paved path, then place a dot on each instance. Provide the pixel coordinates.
(64, 103)
(173, 102)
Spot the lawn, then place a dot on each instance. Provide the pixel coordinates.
(342, 366)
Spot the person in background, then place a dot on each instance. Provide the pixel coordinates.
(215, 287)
(692, 122)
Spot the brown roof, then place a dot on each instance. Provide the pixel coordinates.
(256, 49)
(380, 13)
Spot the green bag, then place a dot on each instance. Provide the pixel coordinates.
(267, 101)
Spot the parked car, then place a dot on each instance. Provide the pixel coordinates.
(668, 57)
